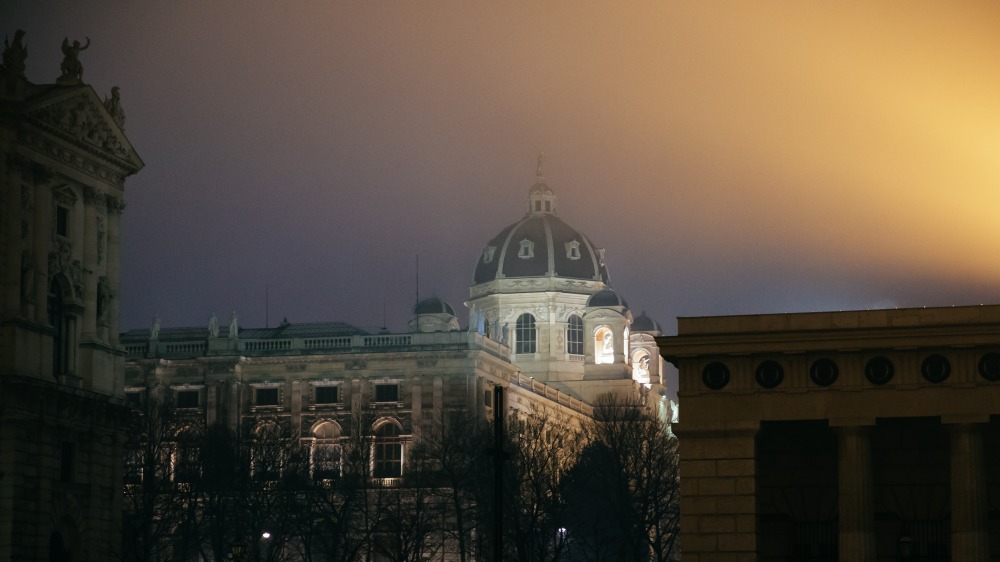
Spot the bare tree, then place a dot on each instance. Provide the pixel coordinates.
(625, 488)
(452, 457)
(542, 449)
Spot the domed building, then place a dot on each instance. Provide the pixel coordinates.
(542, 288)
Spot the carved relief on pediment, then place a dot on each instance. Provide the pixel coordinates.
(82, 120)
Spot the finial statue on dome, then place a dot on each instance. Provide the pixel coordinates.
(541, 159)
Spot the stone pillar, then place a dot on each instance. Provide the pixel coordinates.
(856, 496)
(416, 404)
(42, 235)
(718, 486)
(970, 540)
(296, 406)
(438, 395)
(91, 198)
(112, 253)
(11, 240)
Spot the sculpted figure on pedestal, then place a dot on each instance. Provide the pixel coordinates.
(14, 54)
(71, 66)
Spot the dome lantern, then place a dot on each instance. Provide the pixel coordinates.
(541, 198)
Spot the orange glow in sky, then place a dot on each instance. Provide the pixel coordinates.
(732, 157)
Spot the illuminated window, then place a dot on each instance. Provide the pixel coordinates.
(527, 249)
(604, 345)
(573, 250)
(326, 451)
(640, 366)
(388, 454)
(525, 334)
(574, 336)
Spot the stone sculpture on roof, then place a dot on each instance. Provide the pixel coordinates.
(72, 69)
(14, 54)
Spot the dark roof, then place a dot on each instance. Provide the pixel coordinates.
(607, 297)
(550, 236)
(304, 330)
(644, 323)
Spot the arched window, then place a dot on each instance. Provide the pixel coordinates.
(266, 452)
(604, 345)
(525, 334)
(326, 451)
(388, 453)
(574, 335)
(186, 462)
(640, 366)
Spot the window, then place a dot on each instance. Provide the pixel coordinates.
(66, 461)
(133, 464)
(134, 399)
(187, 398)
(573, 250)
(527, 249)
(488, 252)
(527, 337)
(488, 398)
(186, 462)
(62, 322)
(538, 205)
(62, 221)
(387, 392)
(326, 451)
(604, 345)
(265, 397)
(266, 451)
(388, 452)
(574, 336)
(327, 395)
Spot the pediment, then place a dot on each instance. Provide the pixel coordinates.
(77, 115)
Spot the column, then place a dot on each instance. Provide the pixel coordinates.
(856, 494)
(11, 240)
(969, 532)
(112, 253)
(91, 198)
(41, 231)
(416, 404)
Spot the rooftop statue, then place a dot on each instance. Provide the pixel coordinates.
(114, 107)
(14, 54)
(71, 67)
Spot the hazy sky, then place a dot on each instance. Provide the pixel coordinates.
(731, 157)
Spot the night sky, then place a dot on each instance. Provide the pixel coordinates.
(732, 157)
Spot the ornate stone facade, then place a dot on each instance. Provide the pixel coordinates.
(62, 169)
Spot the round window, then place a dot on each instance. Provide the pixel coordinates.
(935, 368)
(769, 374)
(989, 366)
(715, 375)
(823, 372)
(878, 370)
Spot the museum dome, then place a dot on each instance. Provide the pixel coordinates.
(433, 305)
(433, 315)
(540, 245)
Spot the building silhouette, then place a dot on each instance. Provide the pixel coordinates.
(62, 411)
(857, 435)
